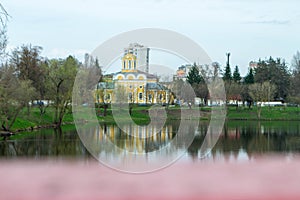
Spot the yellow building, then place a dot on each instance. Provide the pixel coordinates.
(131, 85)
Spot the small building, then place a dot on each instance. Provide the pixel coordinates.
(182, 72)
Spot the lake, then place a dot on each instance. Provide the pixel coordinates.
(240, 140)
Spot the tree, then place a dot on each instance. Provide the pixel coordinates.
(14, 96)
(196, 80)
(183, 91)
(211, 79)
(294, 92)
(236, 75)
(60, 80)
(261, 92)
(198, 77)
(227, 74)
(93, 74)
(227, 77)
(194, 75)
(294, 95)
(187, 94)
(249, 78)
(233, 92)
(201, 91)
(26, 59)
(234, 89)
(42, 87)
(3, 28)
(30, 66)
(277, 73)
(296, 62)
(176, 88)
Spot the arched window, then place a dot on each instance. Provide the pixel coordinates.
(129, 64)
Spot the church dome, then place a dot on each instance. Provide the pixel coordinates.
(129, 62)
(129, 56)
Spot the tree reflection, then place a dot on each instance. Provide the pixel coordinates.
(249, 138)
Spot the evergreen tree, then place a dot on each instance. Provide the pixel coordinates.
(276, 72)
(236, 75)
(194, 75)
(249, 79)
(227, 75)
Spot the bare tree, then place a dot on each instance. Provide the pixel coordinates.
(3, 28)
(233, 92)
(296, 62)
(261, 92)
(294, 94)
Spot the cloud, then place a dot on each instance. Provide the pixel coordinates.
(271, 22)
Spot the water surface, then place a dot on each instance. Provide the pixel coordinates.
(240, 140)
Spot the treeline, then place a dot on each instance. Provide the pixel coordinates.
(270, 80)
(28, 79)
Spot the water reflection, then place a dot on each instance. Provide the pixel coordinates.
(239, 140)
(44, 143)
(138, 148)
(143, 139)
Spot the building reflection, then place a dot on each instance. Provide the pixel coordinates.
(135, 139)
(240, 141)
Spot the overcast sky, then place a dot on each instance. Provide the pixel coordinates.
(248, 29)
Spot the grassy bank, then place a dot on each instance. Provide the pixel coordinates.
(267, 113)
(140, 115)
(35, 120)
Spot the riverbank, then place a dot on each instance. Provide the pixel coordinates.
(140, 115)
(34, 120)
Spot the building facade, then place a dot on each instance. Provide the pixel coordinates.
(131, 85)
(182, 72)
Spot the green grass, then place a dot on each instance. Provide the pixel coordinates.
(267, 113)
(140, 115)
(34, 119)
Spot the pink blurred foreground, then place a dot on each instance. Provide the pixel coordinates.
(264, 178)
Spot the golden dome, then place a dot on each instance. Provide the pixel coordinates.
(129, 56)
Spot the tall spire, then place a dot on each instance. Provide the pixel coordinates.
(228, 55)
